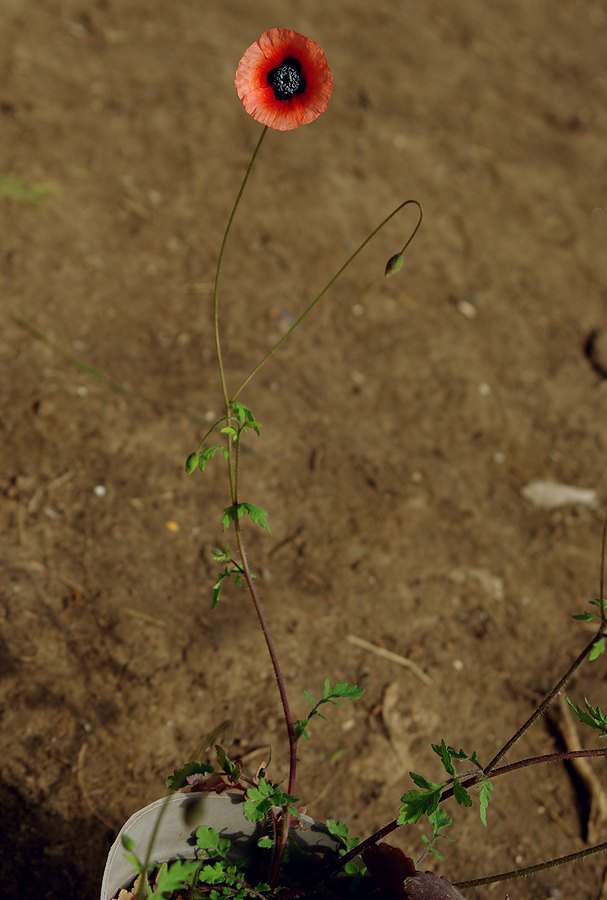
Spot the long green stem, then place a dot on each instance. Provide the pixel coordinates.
(222, 377)
(327, 286)
(224, 241)
(233, 448)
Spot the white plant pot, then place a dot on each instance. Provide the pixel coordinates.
(173, 838)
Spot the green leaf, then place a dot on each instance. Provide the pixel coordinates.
(342, 691)
(443, 751)
(257, 515)
(593, 717)
(461, 754)
(483, 799)
(432, 848)
(179, 777)
(260, 800)
(597, 649)
(416, 804)
(245, 417)
(237, 510)
(422, 782)
(266, 843)
(174, 877)
(461, 794)
(216, 593)
(439, 820)
(217, 587)
(127, 842)
(227, 429)
(207, 838)
(226, 765)
(301, 729)
(213, 874)
(221, 555)
(584, 617)
(337, 829)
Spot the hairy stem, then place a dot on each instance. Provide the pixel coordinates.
(530, 870)
(327, 286)
(283, 833)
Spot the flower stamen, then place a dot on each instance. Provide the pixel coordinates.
(286, 80)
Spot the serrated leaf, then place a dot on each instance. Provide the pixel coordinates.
(207, 838)
(175, 876)
(256, 810)
(416, 804)
(592, 717)
(443, 751)
(344, 691)
(459, 754)
(597, 649)
(461, 794)
(337, 829)
(213, 874)
(422, 782)
(431, 848)
(483, 799)
(439, 820)
(257, 515)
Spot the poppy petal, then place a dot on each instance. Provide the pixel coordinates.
(284, 80)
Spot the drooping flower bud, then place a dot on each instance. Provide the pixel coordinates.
(394, 264)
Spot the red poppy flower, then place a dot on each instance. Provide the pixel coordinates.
(284, 80)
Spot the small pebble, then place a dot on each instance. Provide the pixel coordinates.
(551, 494)
(100, 490)
(467, 309)
(458, 665)
(172, 526)
(358, 310)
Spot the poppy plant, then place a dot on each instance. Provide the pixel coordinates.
(284, 80)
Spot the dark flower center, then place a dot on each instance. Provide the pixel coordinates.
(286, 79)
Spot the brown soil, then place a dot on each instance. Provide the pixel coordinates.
(400, 426)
